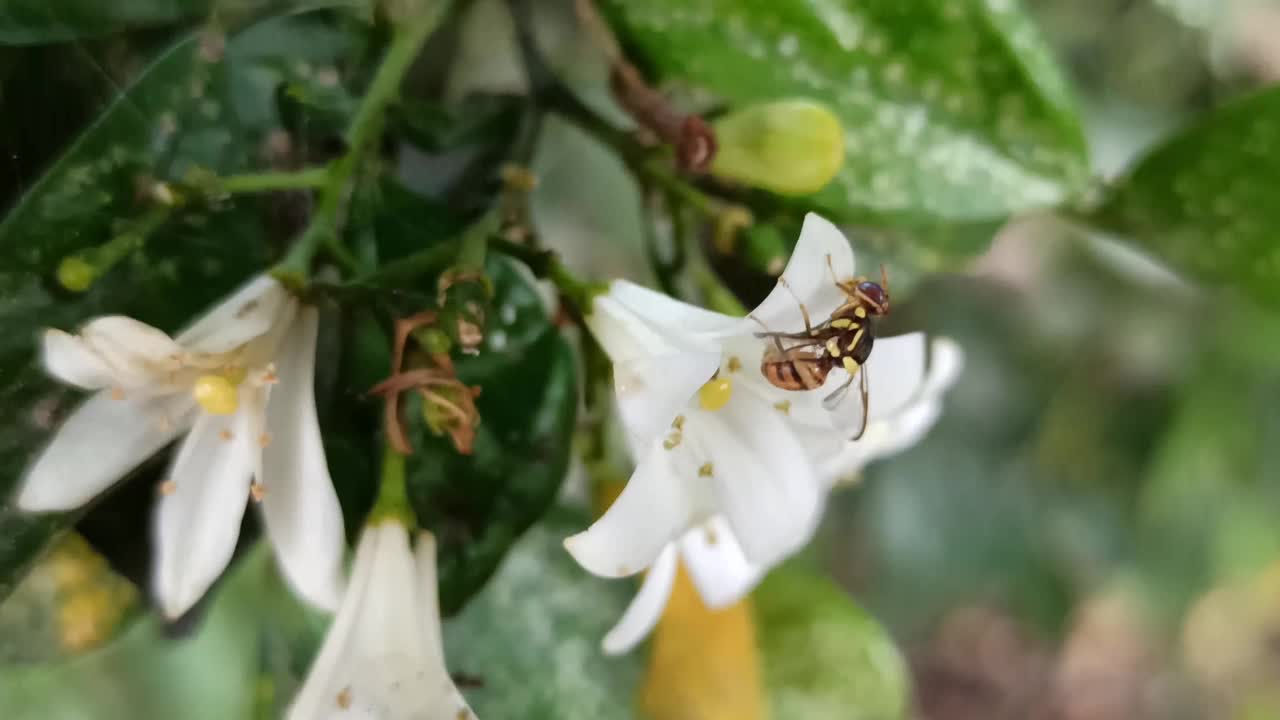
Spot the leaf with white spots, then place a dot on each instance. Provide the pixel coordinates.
(1205, 201)
(953, 110)
(532, 637)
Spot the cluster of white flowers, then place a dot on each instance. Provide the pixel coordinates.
(732, 472)
(732, 475)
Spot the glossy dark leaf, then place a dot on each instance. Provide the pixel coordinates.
(1204, 201)
(30, 22)
(479, 504)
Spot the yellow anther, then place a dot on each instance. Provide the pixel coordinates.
(672, 441)
(850, 365)
(734, 363)
(715, 393)
(783, 407)
(678, 423)
(705, 470)
(216, 394)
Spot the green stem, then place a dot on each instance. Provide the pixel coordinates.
(365, 129)
(546, 265)
(79, 271)
(393, 491)
(308, 179)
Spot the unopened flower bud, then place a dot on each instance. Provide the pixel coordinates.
(76, 274)
(790, 147)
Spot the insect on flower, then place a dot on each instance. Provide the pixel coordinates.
(801, 361)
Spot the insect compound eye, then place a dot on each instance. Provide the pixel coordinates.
(874, 292)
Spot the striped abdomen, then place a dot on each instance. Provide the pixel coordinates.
(801, 373)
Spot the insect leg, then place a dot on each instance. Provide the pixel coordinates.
(804, 311)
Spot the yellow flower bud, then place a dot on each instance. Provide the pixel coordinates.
(76, 274)
(791, 147)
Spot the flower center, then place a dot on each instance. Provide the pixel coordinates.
(217, 394)
(715, 393)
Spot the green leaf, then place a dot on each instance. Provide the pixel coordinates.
(825, 657)
(953, 110)
(1205, 202)
(147, 674)
(479, 504)
(31, 22)
(532, 637)
(183, 112)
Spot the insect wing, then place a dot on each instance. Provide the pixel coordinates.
(849, 414)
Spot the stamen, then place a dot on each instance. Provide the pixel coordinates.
(344, 698)
(715, 393)
(672, 441)
(168, 487)
(117, 393)
(264, 439)
(257, 491)
(216, 394)
(226, 435)
(705, 470)
(734, 364)
(783, 406)
(678, 423)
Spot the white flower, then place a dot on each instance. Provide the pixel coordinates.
(733, 472)
(239, 383)
(382, 657)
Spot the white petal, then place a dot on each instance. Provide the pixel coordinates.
(316, 698)
(664, 312)
(901, 430)
(809, 277)
(382, 654)
(717, 565)
(640, 617)
(72, 361)
(653, 392)
(946, 362)
(98, 444)
(764, 482)
(897, 373)
(653, 509)
(301, 509)
(198, 523)
(135, 351)
(450, 701)
(248, 313)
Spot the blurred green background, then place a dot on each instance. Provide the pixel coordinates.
(1089, 533)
